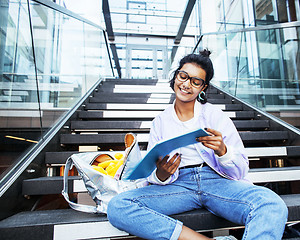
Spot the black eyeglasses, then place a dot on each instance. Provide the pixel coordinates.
(183, 76)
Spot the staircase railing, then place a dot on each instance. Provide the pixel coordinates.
(50, 58)
(259, 65)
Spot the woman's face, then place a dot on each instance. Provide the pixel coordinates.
(185, 91)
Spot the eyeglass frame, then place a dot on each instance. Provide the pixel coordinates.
(190, 78)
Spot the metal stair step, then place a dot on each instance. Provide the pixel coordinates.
(118, 114)
(118, 138)
(48, 185)
(147, 95)
(280, 174)
(95, 139)
(149, 114)
(63, 223)
(126, 106)
(139, 82)
(133, 82)
(110, 125)
(264, 136)
(54, 185)
(149, 106)
(251, 124)
(58, 158)
(136, 89)
(126, 88)
(104, 99)
(145, 125)
(100, 93)
(130, 79)
(252, 152)
(112, 99)
(144, 81)
(131, 95)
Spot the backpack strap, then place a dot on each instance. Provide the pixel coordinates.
(76, 206)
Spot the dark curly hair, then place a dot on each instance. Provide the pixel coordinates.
(202, 59)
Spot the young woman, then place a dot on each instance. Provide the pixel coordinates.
(210, 174)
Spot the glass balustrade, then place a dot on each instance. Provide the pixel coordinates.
(48, 61)
(259, 66)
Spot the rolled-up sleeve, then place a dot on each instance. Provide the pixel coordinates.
(234, 164)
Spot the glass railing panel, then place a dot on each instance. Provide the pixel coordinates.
(59, 60)
(17, 67)
(70, 56)
(259, 66)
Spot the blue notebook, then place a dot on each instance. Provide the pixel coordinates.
(148, 163)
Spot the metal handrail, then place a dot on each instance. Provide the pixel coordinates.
(24, 162)
(16, 170)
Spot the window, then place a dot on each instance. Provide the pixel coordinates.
(135, 15)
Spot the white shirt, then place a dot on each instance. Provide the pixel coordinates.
(189, 154)
(232, 165)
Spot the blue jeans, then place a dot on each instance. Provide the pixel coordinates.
(144, 212)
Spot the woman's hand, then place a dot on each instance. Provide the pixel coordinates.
(166, 168)
(214, 142)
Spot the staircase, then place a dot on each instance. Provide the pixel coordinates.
(119, 106)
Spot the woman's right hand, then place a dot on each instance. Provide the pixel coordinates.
(166, 168)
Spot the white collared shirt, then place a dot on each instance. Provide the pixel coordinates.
(232, 165)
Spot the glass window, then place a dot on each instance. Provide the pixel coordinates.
(265, 12)
(138, 17)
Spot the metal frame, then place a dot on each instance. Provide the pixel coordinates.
(116, 58)
(107, 19)
(110, 58)
(111, 35)
(186, 16)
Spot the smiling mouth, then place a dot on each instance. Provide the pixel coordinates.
(184, 91)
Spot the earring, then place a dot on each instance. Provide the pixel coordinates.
(202, 95)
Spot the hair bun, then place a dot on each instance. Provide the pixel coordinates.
(205, 52)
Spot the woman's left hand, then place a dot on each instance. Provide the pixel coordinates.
(214, 141)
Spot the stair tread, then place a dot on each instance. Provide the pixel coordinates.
(105, 99)
(143, 137)
(60, 216)
(54, 185)
(123, 125)
(148, 106)
(50, 221)
(100, 94)
(283, 151)
(69, 216)
(264, 135)
(100, 114)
